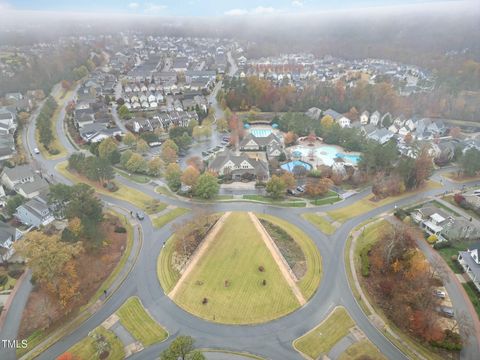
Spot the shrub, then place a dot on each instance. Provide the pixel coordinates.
(261, 268)
(204, 301)
(441, 245)
(264, 282)
(111, 186)
(401, 214)
(120, 229)
(365, 261)
(432, 239)
(53, 151)
(3, 279)
(15, 273)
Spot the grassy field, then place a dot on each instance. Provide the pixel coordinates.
(85, 349)
(141, 179)
(364, 205)
(166, 218)
(269, 200)
(125, 193)
(362, 350)
(167, 275)
(320, 222)
(235, 256)
(164, 190)
(322, 338)
(448, 252)
(139, 323)
(310, 281)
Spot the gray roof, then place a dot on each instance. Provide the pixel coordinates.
(474, 267)
(38, 184)
(19, 172)
(7, 232)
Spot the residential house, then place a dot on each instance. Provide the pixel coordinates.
(34, 213)
(340, 119)
(375, 118)
(8, 235)
(24, 181)
(8, 121)
(238, 166)
(470, 261)
(254, 143)
(364, 116)
(380, 135)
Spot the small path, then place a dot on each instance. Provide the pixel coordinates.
(199, 253)
(125, 337)
(341, 345)
(279, 259)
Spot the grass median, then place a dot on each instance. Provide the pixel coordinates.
(164, 219)
(320, 223)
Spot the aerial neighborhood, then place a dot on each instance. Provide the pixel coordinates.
(159, 178)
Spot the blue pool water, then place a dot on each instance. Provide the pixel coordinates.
(327, 154)
(290, 165)
(260, 132)
(350, 158)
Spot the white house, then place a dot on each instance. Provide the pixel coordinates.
(470, 261)
(375, 118)
(340, 119)
(364, 117)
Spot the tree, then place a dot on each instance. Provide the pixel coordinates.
(129, 139)
(318, 187)
(155, 166)
(124, 112)
(13, 203)
(173, 176)
(327, 121)
(190, 176)
(207, 186)
(196, 162)
(58, 197)
(289, 138)
(470, 162)
(106, 148)
(169, 151)
(142, 146)
(126, 155)
(276, 187)
(423, 167)
(182, 348)
(289, 180)
(136, 164)
(46, 255)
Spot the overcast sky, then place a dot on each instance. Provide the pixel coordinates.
(203, 7)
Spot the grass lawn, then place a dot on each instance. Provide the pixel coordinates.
(364, 205)
(235, 255)
(85, 349)
(166, 218)
(280, 202)
(141, 179)
(164, 191)
(322, 338)
(472, 213)
(473, 295)
(167, 275)
(125, 193)
(139, 323)
(308, 284)
(448, 252)
(444, 207)
(453, 177)
(321, 223)
(362, 350)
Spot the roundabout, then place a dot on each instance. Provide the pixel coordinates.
(246, 270)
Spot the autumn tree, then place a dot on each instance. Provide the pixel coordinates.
(222, 125)
(318, 187)
(142, 146)
(173, 176)
(289, 180)
(129, 139)
(106, 148)
(169, 151)
(155, 166)
(190, 176)
(289, 138)
(423, 167)
(276, 187)
(327, 121)
(196, 162)
(136, 164)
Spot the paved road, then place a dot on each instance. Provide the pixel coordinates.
(271, 340)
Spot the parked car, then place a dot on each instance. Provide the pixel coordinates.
(300, 189)
(36, 151)
(292, 192)
(439, 293)
(446, 311)
(140, 215)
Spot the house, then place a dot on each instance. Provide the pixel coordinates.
(254, 143)
(8, 235)
(364, 117)
(431, 219)
(470, 261)
(340, 119)
(8, 121)
(97, 132)
(375, 118)
(381, 135)
(34, 213)
(7, 147)
(24, 181)
(238, 166)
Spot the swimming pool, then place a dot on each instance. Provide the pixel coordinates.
(327, 154)
(290, 165)
(260, 132)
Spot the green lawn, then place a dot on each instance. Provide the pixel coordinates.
(308, 284)
(125, 193)
(281, 202)
(235, 256)
(164, 190)
(452, 250)
(139, 323)
(329, 198)
(363, 349)
(167, 275)
(320, 340)
(473, 295)
(320, 222)
(364, 205)
(166, 218)
(141, 179)
(85, 349)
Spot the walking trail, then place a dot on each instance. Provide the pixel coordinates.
(279, 259)
(199, 253)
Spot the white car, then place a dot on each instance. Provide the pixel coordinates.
(36, 151)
